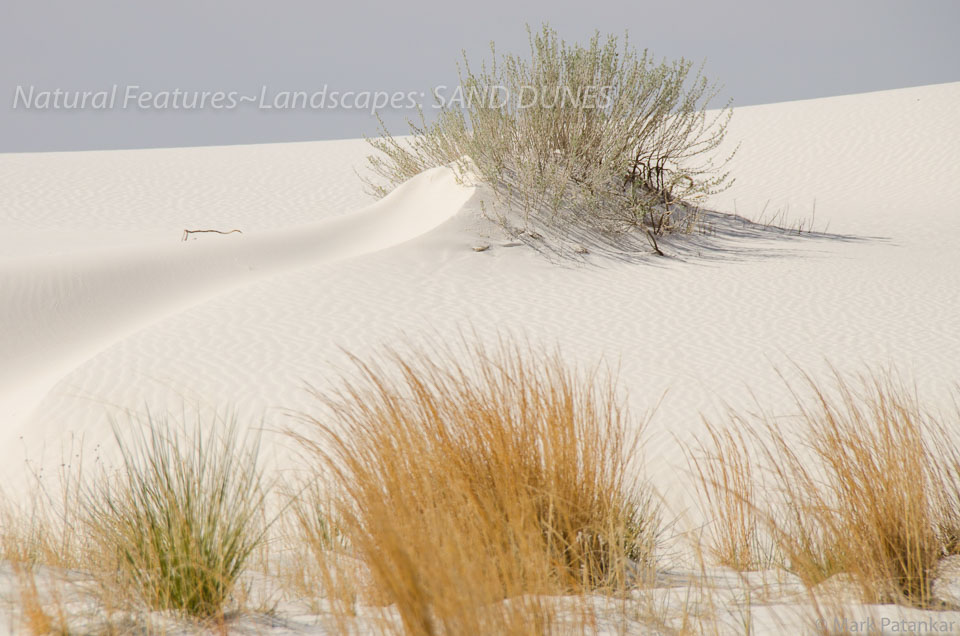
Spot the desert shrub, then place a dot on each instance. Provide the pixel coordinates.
(599, 135)
(863, 481)
(178, 522)
(471, 477)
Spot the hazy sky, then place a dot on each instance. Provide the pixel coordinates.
(762, 51)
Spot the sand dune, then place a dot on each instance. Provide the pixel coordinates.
(246, 319)
(102, 308)
(60, 309)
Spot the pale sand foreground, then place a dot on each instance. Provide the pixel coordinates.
(103, 308)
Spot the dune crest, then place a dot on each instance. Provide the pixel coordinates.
(62, 309)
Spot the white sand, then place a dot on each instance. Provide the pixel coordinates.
(103, 308)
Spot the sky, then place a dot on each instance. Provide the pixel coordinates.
(760, 51)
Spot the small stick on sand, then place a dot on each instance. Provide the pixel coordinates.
(187, 233)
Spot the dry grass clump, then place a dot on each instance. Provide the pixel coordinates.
(863, 481)
(44, 528)
(496, 474)
(41, 534)
(316, 553)
(178, 522)
(735, 536)
(946, 474)
(598, 135)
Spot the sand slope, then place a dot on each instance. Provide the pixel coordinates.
(103, 308)
(63, 308)
(246, 319)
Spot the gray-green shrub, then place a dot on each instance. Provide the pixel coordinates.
(613, 139)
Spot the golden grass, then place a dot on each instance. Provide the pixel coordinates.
(43, 529)
(40, 533)
(492, 490)
(861, 481)
(316, 551)
(735, 536)
(33, 615)
(45, 526)
(946, 474)
(467, 483)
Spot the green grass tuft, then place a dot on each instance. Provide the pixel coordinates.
(181, 517)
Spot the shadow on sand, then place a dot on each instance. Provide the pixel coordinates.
(710, 236)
